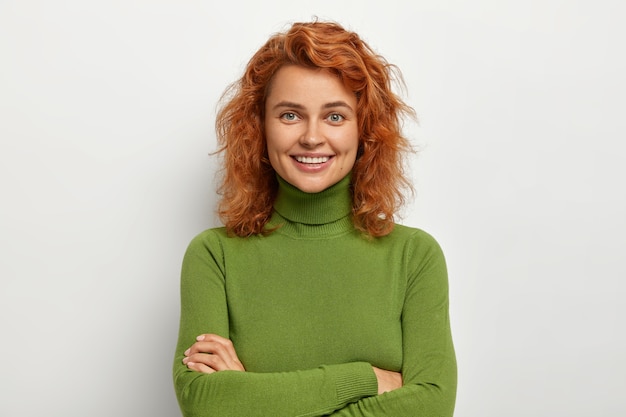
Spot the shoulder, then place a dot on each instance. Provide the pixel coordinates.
(414, 237)
(207, 241)
(210, 234)
(218, 240)
(421, 249)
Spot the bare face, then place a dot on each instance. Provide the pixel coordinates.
(311, 128)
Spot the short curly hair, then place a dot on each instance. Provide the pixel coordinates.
(249, 183)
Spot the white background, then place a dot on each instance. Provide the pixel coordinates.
(106, 125)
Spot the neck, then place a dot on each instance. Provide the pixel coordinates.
(328, 208)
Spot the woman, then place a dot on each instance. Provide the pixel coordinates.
(310, 301)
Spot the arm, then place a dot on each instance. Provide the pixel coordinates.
(429, 364)
(204, 309)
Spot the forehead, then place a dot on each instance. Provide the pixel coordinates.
(295, 83)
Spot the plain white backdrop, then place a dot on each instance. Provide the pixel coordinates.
(106, 125)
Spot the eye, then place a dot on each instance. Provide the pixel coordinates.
(289, 116)
(335, 118)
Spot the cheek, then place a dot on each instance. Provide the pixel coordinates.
(279, 141)
(272, 153)
(273, 150)
(352, 146)
(270, 139)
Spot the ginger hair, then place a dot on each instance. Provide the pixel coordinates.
(249, 184)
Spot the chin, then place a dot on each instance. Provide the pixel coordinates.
(308, 187)
(311, 189)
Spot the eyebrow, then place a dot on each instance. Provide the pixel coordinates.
(298, 106)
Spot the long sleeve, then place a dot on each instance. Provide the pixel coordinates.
(429, 364)
(310, 308)
(204, 309)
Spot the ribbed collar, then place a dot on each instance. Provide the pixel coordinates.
(326, 212)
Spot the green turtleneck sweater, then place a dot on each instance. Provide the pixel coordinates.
(310, 308)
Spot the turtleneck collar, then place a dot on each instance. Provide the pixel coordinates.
(304, 213)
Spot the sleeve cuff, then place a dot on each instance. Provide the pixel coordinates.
(353, 381)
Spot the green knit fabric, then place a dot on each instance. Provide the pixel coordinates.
(310, 308)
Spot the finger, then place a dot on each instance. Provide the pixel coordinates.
(200, 367)
(206, 343)
(219, 346)
(225, 349)
(206, 347)
(208, 359)
(217, 361)
(210, 337)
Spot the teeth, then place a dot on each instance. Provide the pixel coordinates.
(312, 160)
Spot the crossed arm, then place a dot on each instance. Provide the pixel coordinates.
(212, 353)
(210, 379)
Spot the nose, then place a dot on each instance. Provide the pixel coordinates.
(312, 136)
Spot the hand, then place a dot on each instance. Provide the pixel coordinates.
(212, 353)
(387, 380)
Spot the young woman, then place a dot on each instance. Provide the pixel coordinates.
(310, 300)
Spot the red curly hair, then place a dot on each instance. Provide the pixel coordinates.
(249, 182)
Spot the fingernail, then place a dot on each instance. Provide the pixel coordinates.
(187, 352)
(199, 338)
(185, 360)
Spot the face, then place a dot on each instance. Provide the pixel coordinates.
(311, 128)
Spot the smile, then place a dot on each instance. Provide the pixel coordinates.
(312, 159)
